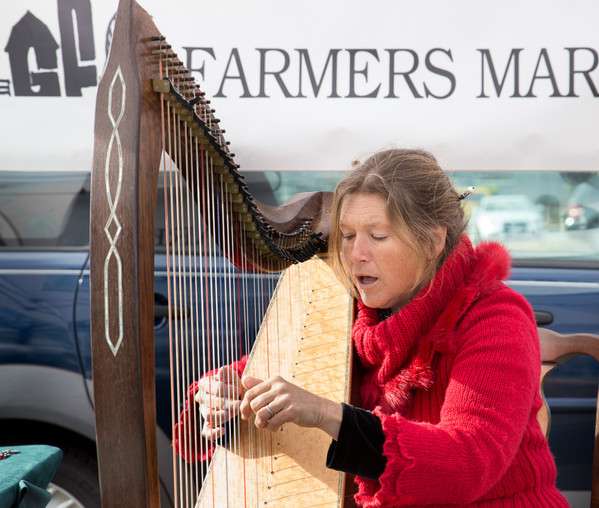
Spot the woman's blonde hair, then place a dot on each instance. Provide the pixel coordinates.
(419, 197)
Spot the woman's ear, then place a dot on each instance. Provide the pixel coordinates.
(439, 237)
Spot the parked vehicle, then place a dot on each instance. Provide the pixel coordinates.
(45, 358)
(504, 215)
(582, 211)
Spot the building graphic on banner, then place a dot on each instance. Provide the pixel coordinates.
(76, 50)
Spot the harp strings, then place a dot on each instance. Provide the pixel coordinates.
(216, 300)
(172, 280)
(165, 187)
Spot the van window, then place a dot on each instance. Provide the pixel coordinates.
(540, 215)
(44, 209)
(261, 188)
(543, 215)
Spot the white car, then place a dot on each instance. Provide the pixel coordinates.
(505, 215)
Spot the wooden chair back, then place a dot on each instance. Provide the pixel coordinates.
(556, 348)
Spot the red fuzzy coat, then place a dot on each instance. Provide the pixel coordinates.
(454, 377)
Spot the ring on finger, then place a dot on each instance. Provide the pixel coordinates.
(271, 413)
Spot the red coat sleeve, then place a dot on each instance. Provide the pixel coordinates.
(487, 406)
(186, 440)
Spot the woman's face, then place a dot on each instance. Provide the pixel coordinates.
(383, 267)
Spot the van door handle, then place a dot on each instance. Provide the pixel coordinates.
(543, 317)
(160, 311)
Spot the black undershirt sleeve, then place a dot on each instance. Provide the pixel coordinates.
(359, 446)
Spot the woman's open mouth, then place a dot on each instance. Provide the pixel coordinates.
(366, 280)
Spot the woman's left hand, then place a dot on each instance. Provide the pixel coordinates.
(276, 401)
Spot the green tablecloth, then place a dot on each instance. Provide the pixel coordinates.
(25, 476)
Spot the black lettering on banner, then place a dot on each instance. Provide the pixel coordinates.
(304, 56)
(441, 72)
(585, 72)
(486, 57)
(276, 74)
(77, 13)
(234, 57)
(189, 60)
(4, 87)
(31, 33)
(405, 74)
(544, 57)
(364, 71)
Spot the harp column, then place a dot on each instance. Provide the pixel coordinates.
(123, 194)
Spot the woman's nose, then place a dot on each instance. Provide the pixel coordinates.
(360, 251)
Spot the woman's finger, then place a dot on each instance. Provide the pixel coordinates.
(213, 386)
(231, 380)
(219, 391)
(284, 416)
(227, 374)
(213, 416)
(229, 409)
(212, 433)
(213, 402)
(262, 400)
(256, 387)
(269, 410)
(250, 382)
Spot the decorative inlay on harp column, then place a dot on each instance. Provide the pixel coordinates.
(113, 253)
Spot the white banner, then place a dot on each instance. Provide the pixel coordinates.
(314, 85)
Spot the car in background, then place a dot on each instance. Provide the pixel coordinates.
(503, 215)
(45, 348)
(582, 210)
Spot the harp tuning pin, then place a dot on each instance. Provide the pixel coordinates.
(226, 142)
(160, 51)
(213, 111)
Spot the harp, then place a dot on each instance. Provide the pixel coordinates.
(154, 124)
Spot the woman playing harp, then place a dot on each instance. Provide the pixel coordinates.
(448, 356)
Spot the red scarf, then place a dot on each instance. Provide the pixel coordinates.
(398, 352)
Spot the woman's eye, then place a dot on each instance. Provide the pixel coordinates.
(379, 237)
(347, 236)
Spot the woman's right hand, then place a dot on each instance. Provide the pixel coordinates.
(219, 397)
